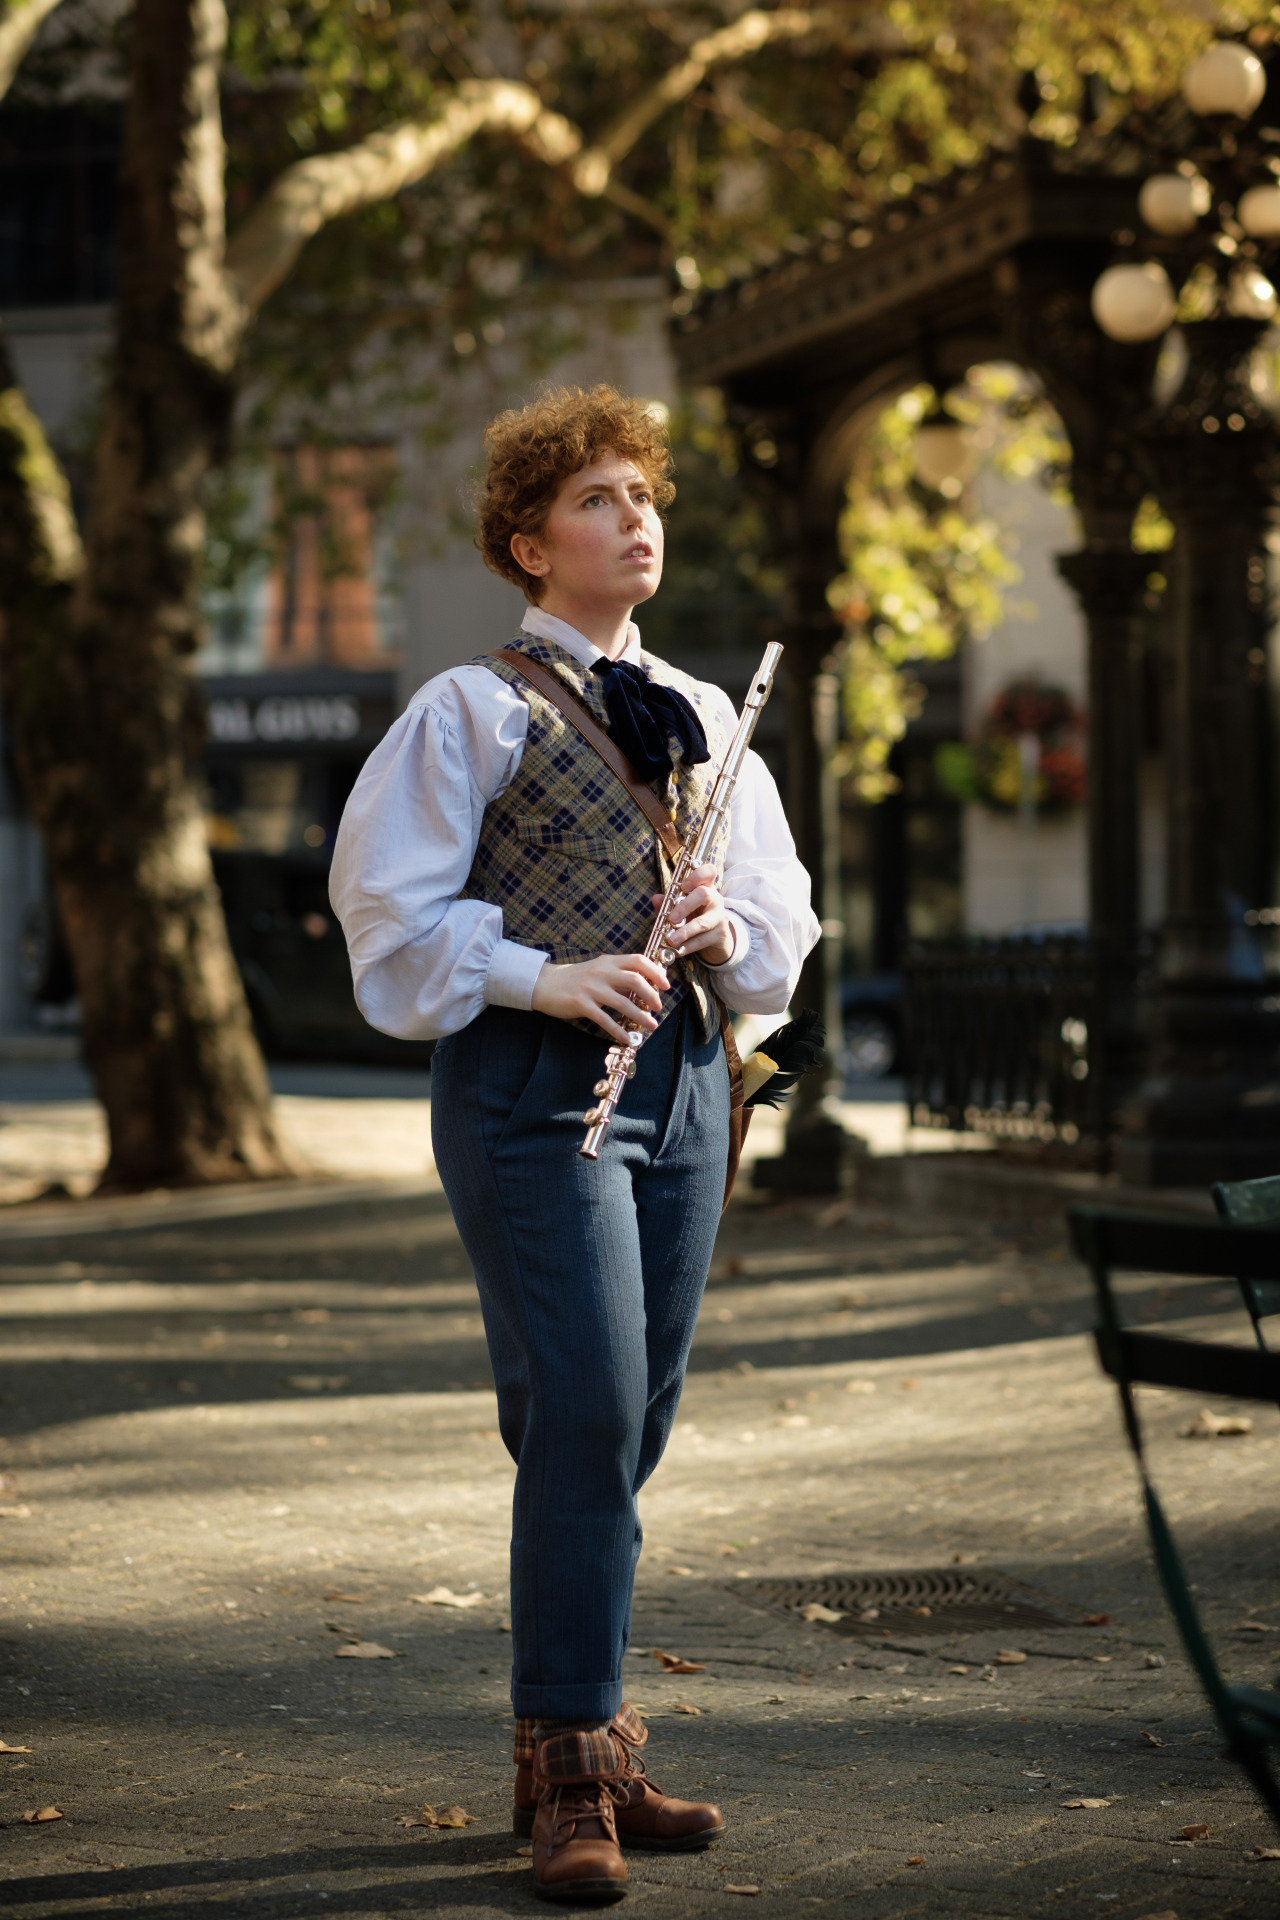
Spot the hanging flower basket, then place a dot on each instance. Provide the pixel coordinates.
(994, 768)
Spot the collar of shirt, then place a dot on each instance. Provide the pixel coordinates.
(545, 626)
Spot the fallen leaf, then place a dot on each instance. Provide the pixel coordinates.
(1153, 1659)
(364, 1650)
(816, 1611)
(869, 1614)
(793, 1420)
(731, 1888)
(6, 1748)
(1208, 1425)
(673, 1663)
(445, 1817)
(1264, 1853)
(15, 1513)
(446, 1597)
(356, 1599)
(909, 1385)
(38, 1815)
(682, 1706)
(317, 1382)
(923, 1613)
(859, 1386)
(239, 1806)
(1197, 1832)
(916, 1860)
(1153, 1739)
(685, 1573)
(454, 1817)
(957, 1669)
(988, 1673)
(1254, 1626)
(1009, 1657)
(1097, 1619)
(1090, 1802)
(526, 1853)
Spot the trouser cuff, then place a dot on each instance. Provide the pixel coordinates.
(589, 1704)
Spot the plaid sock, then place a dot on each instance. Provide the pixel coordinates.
(548, 1729)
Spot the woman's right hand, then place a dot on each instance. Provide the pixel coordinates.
(602, 990)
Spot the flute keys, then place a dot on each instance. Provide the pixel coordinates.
(592, 1117)
(668, 956)
(601, 1086)
(634, 1039)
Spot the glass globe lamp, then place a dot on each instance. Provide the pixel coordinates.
(1173, 202)
(1133, 302)
(1258, 212)
(1226, 79)
(1251, 296)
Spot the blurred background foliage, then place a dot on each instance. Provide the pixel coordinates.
(466, 271)
(925, 572)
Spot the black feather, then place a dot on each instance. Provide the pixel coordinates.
(798, 1048)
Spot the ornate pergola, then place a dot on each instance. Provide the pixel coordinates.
(999, 264)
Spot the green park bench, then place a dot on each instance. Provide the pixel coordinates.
(1245, 1245)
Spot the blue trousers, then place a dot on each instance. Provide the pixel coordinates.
(590, 1277)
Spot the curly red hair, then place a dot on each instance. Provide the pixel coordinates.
(533, 450)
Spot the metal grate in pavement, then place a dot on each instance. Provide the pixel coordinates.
(944, 1600)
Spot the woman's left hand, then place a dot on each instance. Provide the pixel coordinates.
(701, 922)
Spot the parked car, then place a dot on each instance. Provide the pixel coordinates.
(283, 752)
(872, 1009)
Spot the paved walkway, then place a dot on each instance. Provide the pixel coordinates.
(246, 1434)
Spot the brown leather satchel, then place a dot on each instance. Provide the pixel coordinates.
(561, 697)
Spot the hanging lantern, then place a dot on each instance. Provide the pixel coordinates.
(944, 456)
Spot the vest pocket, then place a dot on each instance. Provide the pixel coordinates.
(600, 847)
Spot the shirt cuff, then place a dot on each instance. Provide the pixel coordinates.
(513, 973)
(741, 943)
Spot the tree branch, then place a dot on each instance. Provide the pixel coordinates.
(313, 192)
(748, 34)
(20, 22)
(40, 543)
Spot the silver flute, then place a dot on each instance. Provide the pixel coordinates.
(620, 1062)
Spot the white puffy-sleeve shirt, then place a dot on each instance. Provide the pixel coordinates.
(424, 962)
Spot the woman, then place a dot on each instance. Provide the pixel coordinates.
(496, 882)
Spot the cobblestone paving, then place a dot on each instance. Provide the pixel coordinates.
(243, 1437)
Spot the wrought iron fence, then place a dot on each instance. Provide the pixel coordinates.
(1006, 1037)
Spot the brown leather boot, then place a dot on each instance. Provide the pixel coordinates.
(646, 1818)
(575, 1842)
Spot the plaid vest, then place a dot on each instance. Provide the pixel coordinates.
(565, 851)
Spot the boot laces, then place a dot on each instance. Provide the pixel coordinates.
(584, 1800)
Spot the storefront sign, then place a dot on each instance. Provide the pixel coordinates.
(284, 718)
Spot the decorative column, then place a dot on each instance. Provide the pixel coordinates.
(1209, 1105)
(818, 1152)
(1109, 581)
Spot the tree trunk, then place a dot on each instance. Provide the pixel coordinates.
(105, 709)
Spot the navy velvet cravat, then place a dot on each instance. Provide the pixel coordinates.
(643, 716)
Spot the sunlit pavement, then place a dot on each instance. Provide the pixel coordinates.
(245, 1431)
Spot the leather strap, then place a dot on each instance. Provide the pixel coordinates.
(552, 688)
(739, 1115)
